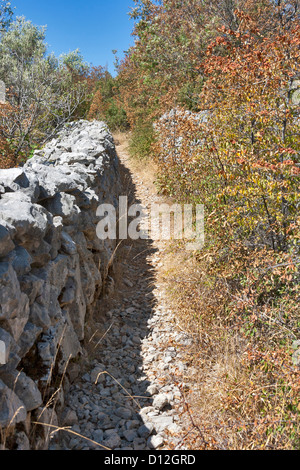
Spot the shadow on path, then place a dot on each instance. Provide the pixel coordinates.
(108, 411)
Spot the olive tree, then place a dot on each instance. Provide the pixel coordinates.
(42, 93)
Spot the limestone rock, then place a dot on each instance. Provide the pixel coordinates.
(154, 442)
(29, 337)
(51, 265)
(40, 252)
(57, 180)
(45, 416)
(39, 317)
(11, 346)
(32, 286)
(22, 441)
(64, 206)
(67, 244)
(112, 441)
(69, 418)
(13, 179)
(161, 422)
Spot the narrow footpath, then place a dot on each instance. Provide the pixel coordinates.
(131, 394)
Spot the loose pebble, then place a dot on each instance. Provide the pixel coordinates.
(127, 398)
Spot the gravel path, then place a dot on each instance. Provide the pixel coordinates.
(130, 393)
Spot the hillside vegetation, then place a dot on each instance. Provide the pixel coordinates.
(210, 93)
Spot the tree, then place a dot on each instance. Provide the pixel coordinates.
(105, 104)
(6, 14)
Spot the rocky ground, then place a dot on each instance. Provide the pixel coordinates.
(131, 393)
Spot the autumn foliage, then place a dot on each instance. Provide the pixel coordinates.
(220, 85)
(7, 157)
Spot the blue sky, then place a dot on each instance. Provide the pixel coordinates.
(96, 27)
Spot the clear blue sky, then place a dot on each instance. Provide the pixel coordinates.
(96, 27)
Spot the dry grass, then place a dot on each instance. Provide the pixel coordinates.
(237, 403)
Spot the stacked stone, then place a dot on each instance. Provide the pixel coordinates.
(51, 268)
(2, 92)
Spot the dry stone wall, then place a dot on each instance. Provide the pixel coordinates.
(51, 270)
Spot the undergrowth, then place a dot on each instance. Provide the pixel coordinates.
(244, 317)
